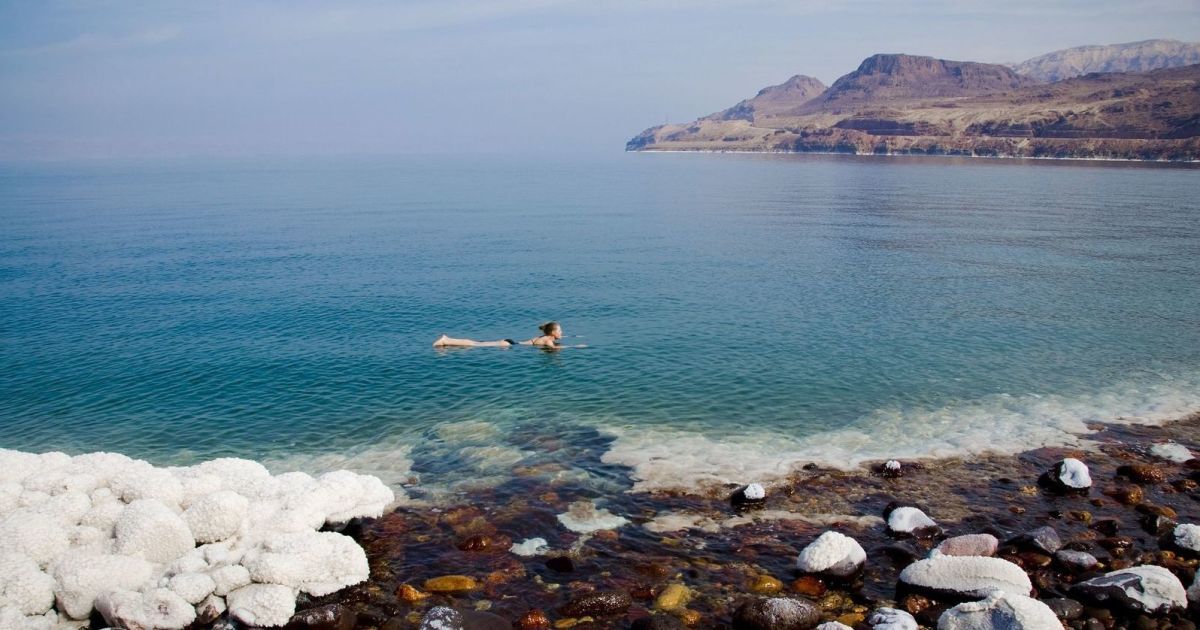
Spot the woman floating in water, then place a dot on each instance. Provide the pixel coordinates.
(548, 340)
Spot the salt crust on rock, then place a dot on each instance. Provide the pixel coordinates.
(833, 553)
(1193, 592)
(1147, 587)
(891, 619)
(1000, 611)
(1172, 451)
(583, 517)
(1074, 474)
(833, 625)
(262, 604)
(23, 585)
(968, 575)
(1187, 536)
(907, 520)
(74, 530)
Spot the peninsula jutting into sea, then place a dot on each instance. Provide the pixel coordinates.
(1137, 101)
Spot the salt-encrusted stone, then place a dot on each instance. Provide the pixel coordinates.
(1145, 588)
(969, 576)
(229, 578)
(1187, 537)
(317, 563)
(891, 619)
(530, 547)
(22, 532)
(11, 617)
(82, 577)
(1193, 592)
(832, 553)
(892, 469)
(583, 517)
(1172, 451)
(158, 608)
(1000, 611)
(833, 625)
(910, 520)
(1069, 475)
(151, 530)
(755, 492)
(23, 585)
(192, 587)
(103, 515)
(139, 482)
(217, 516)
(442, 618)
(266, 605)
(776, 613)
(970, 545)
(749, 496)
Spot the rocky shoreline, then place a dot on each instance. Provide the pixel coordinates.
(543, 551)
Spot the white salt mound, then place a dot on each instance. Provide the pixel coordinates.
(583, 517)
(891, 619)
(833, 553)
(1000, 610)
(530, 547)
(754, 492)
(1187, 536)
(1152, 587)
(105, 532)
(908, 520)
(1172, 451)
(833, 625)
(973, 576)
(1074, 474)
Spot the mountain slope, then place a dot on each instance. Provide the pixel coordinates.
(774, 99)
(906, 104)
(1151, 54)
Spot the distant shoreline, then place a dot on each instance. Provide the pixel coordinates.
(925, 155)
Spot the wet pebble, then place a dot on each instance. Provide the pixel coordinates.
(1142, 473)
(330, 617)
(1065, 608)
(1076, 561)
(1043, 539)
(451, 584)
(657, 622)
(533, 620)
(598, 605)
(776, 613)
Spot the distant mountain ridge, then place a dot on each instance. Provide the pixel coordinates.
(1151, 54)
(896, 103)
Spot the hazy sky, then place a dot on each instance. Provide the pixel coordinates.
(125, 78)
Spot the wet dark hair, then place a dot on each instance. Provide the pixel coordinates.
(548, 327)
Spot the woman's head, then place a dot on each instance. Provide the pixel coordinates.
(551, 329)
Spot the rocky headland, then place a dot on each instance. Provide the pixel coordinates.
(905, 104)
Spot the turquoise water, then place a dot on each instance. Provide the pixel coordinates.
(743, 313)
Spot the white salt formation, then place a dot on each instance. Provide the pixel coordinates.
(164, 547)
(908, 520)
(1193, 592)
(971, 576)
(1187, 536)
(1073, 473)
(584, 518)
(1146, 588)
(530, 547)
(832, 553)
(1172, 451)
(754, 492)
(1000, 611)
(891, 619)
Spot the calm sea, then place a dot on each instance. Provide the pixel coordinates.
(744, 314)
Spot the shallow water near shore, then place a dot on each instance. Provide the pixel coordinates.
(744, 314)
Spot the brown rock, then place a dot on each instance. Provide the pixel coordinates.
(475, 543)
(451, 584)
(1126, 494)
(330, 617)
(809, 586)
(766, 585)
(409, 594)
(603, 604)
(533, 620)
(914, 604)
(1117, 546)
(1142, 473)
(1156, 510)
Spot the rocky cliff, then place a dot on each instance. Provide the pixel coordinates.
(909, 104)
(1152, 54)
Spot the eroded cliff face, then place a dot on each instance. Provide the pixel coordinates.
(906, 104)
(1152, 54)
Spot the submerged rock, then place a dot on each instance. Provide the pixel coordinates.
(891, 619)
(832, 553)
(970, 545)
(657, 622)
(1000, 611)
(1076, 560)
(442, 618)
(603, 604)
(1043, 539)
(1147, 588)
(892, 469)
(776, 613)
(1171, 451)
(966, 576)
